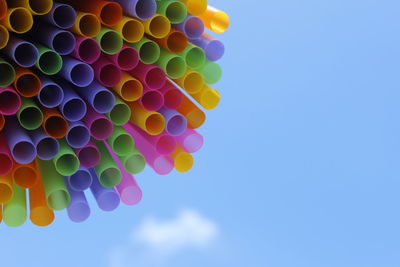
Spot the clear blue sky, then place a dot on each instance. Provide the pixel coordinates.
(301, 162)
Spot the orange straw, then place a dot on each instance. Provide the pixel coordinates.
(175, 41)
(195, 116)
(26, 83)
(54, 124)
(3, 9)
(25, 175)
(6, 188)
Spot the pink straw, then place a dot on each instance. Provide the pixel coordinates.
(86, 49)
(151, 76)
(89, 155)
(10, 101)
(191, 141)
(173, 96)
(106, 72)
(5, 156)
(126, 59)
(100, 126)
(152, 100)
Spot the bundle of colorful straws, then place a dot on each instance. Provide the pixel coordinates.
(93, 90)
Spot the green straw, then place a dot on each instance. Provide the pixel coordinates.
(175, 11)
(174, 66)
(134, 162)
(7, 73)
(194, 56)
(56, 191)
(110, 41)
(49, 62)
(14, 211)
(121, 112)
(211, 71)
(149, 51)
(66, 162)
(107, 170)
(121, 142)
(29, 115)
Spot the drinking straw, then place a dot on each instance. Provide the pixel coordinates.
(18, 20)
(47, 147)
(107, 198)
(134, 162)
(175, 11)
(66, 162)
(157, 26)
(54, 124)
(6, 188)
(126, 59)
(26, 83)
(129, 88)
(3, 8)
(5, 157)
(152, 100)
(57, 195)
(29, 115)
(1, 212)
(191, 26)
(120, 113)
(175, 123)
(14, 211)
(190, 141)
(21, 52)
(61, 41)
(191, 81)
(4, 36)
(78, 209)
(183, 161)
(174, 42)
(2, 121)
(78, 135)
(100, 126)
(72, 106)
(89, 155)
(86, 24)
(21, 146)
(40, 213)
(149, 51)
(130, 29)
(163, 143)
(51, 94)
(121, 142)
(100, 98)
(194, 56)
(36, 7)
(10, 101)
(162, 164)
(106, 72)
(81, 180)
(7, 73)
(194, 116)
(215, 19)
(78, 73)
(213, 48)
(110, 41)
(25, 175)
(208, 97)
(86, 50)
(142, 9)
(151, 76)
(172, 95)
(49, 62)
(211, 71)
(173, 65)
(107, 171)
(196, 7)
(150, 121)
(61, 15)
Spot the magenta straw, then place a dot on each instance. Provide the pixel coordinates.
(78, 135)
(21, 52)
(107, 198)
(126, 59)
(142, 9)
(151, 76)
(100, 126)
(191, 141)
(100, 98)
(10, 101)
(78, 209)
(86, 50)
(5, 156)
(106, 72)
(47, 147)
(192, 27)
(89, 155)
(81, 180)
(72, 107)
(51, 94)
(21, 146)
(78, 73)
(173, 97)
(152, 100)
(163, 143)
(61, 15)
(213, 48)
(175, 123)
(162, 164)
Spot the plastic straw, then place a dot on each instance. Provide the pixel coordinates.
(109, 13)
(100, 98)
(78, 73)
(121, 142)
(110, 41)
(142, 9)
(49, 62)
(86, 24)
(149, 51)
(215, 19)
(130, 29)
(183, 161)
(192, 81)
(173, 65)
(66, 162)
(54, 124)
(158, 26)
(190, 141)
(211, 71)
(129, 88)
(29, 115)
(195, 117)
(163, 143)
(106, 72)
(213, 48)
(196, 7)
(152, 77)
(61, 41)
(120, 114)
(191, 26)
(175, 11)
(7, 73)
(4, 35)
(81, 180)
(18, 20)
(107, 198)
(152, 100)
(194, 56)
(172, 95)
(78, 209)
(175, 122)
(47, 147)
(61, 15)
(107, 171)
(10, 101)
(134, 162)
(36, 7)
(150, 121)
(126, 59)
(21, 52)
(78, 135)
(3, 9)
(174, 42)
(51, 94)
(26, 83)
(25, 175)
(86, 50)
(6, 188)
(208, 97)
(14, 211)
(100, 126)
(89, 155)
(72, 106)
(5, 157)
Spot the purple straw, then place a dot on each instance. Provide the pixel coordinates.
(61, 15)
(89, 155)
(100, 98)
(78, 73)
(87, 49)
(192, 27)
(51, 94)
(22, 52)
(81, 180)
(142, 9)
(100, 126)
(73, 108)
(78, 209)
(107, 198)
(61, 41)
(47, 147)
(78, 135)
(175, 122)
(213, 48)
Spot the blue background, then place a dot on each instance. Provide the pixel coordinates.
(301, 161)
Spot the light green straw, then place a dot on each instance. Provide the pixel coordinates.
(121, 142)
(149, 51)
(175, 11)
(211, 71)
(134, 162)
(14, 211)
(121, 112)
(29, 115)
(7, 73)
(66, 162)
(110, 41)
(194, 56)
(56, 191)
(49, 62)
(174, 66)
(107, 170)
